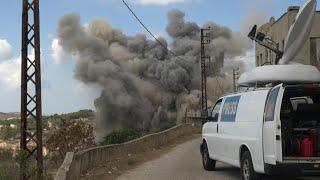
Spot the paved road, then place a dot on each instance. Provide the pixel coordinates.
(183, 163)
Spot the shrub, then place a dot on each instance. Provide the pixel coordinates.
(21, 155)
(4, 173)
(121, 136)
(8, 165)
(7, 132)
(5, 155)
(167, 126)
(72, 136)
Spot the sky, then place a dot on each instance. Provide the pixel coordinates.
(61, 92)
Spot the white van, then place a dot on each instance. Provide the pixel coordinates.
(273, 130)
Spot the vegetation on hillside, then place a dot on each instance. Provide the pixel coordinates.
(9, 129)
(71, 116)
(7, 133)
(8, 165)
(128, 134)
(71, 136)
(121, 136)
(62, 133)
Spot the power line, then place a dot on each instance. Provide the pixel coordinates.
(147, 29)
(164, 46)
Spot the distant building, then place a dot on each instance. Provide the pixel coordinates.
(13, 126)
(277, 31)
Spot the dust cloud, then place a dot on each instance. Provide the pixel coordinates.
(144, 86)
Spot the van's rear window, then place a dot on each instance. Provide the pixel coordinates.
(271, 104)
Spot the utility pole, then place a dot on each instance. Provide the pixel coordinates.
(31, 139)
(236, 75)
(205, 40)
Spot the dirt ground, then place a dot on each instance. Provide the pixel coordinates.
(113, 169)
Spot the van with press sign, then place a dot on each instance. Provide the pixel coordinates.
(270, 130)
(273, 127)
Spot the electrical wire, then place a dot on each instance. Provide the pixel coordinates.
(164, 46)
(147, 29)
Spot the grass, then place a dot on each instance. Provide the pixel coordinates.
(8, 165)
(5, 155)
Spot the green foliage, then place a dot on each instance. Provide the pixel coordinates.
(8, 122)
(5, 155)
(4, 173)
(8, 166)
(125, 135)
(21, 154)
(167, 126)
(7, 132)
(121, 136)
(71, 116)
(34, 173)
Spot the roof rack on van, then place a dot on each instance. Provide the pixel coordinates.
(248, 89)
(271, 85)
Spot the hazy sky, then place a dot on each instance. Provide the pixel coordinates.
(61, 92)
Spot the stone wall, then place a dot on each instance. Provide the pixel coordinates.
(77, 163)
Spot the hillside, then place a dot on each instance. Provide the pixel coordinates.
(6, 116)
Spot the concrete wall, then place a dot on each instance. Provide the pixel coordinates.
(77, 163)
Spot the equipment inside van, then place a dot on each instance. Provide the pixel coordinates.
(300, 122)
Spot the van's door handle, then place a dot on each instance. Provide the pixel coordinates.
(217, 128)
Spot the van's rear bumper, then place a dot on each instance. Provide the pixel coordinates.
(293, 169)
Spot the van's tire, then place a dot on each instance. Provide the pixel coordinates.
(247, 170)
(208, 164)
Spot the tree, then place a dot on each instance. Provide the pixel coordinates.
(6, 132)
(71, 136)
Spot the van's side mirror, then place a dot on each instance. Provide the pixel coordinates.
(207, 119)
(213, 118)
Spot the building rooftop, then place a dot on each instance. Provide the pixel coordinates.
(293, 8)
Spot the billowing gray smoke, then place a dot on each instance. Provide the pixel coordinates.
(144, 87)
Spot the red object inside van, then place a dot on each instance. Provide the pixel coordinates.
(306, 147)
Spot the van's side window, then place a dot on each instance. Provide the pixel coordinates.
(271, 104)
(215, 111)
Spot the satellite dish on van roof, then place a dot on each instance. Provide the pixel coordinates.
(299, 31)
(292, 73)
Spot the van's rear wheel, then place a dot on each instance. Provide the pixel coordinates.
(208, 164)
(247, 169)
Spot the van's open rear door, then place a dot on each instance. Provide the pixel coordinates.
(271, 127)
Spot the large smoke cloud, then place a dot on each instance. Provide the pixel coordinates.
(144, 86)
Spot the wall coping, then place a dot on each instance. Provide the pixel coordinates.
(65, 167)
